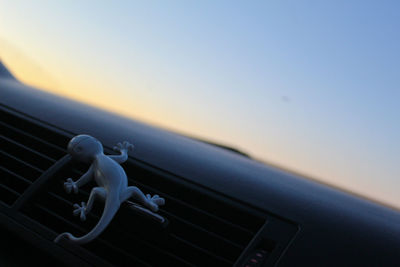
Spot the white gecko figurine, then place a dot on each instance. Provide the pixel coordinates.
(112, 183)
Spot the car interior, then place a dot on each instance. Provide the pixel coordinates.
(222, 208)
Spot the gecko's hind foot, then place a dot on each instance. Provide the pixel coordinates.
(153, 202)
(70, 186)
(80, 210)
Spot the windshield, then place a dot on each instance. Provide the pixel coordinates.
(311, 86)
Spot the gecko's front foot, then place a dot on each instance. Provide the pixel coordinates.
(153, 202)
(70, 186)
(124, 146)
(80, 210)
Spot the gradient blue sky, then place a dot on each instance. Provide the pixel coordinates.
(312, 86)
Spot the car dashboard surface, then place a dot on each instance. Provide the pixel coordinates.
(223, 208)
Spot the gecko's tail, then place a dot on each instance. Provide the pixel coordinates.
(110, 209)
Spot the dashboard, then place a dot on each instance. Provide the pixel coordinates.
(223, 208)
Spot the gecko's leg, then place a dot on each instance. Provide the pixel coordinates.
(149, 202)
(84, 209)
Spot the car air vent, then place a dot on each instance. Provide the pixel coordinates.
(26, 150)
(203, 229)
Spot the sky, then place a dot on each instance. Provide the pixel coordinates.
(311, 86)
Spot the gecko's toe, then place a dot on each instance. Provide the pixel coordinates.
(153, 206)
(67, 188)
(159, 201)
(80, 210)
(83, 216)
(76, 212)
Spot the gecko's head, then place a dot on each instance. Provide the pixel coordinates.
(84, 148)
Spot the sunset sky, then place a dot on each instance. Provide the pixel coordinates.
(312, 86)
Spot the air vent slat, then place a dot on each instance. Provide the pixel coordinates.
(20, 167)
(8, 195)
(66, 224)
(13, 181)
(10, 173)
(215, 243)
(197, 254)
(191, 196)
(200, 217)
(33, 129)
(36, 143)
(143, 247)
(114, 254)
(180, 202)
(23, 154)
(26, 154)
